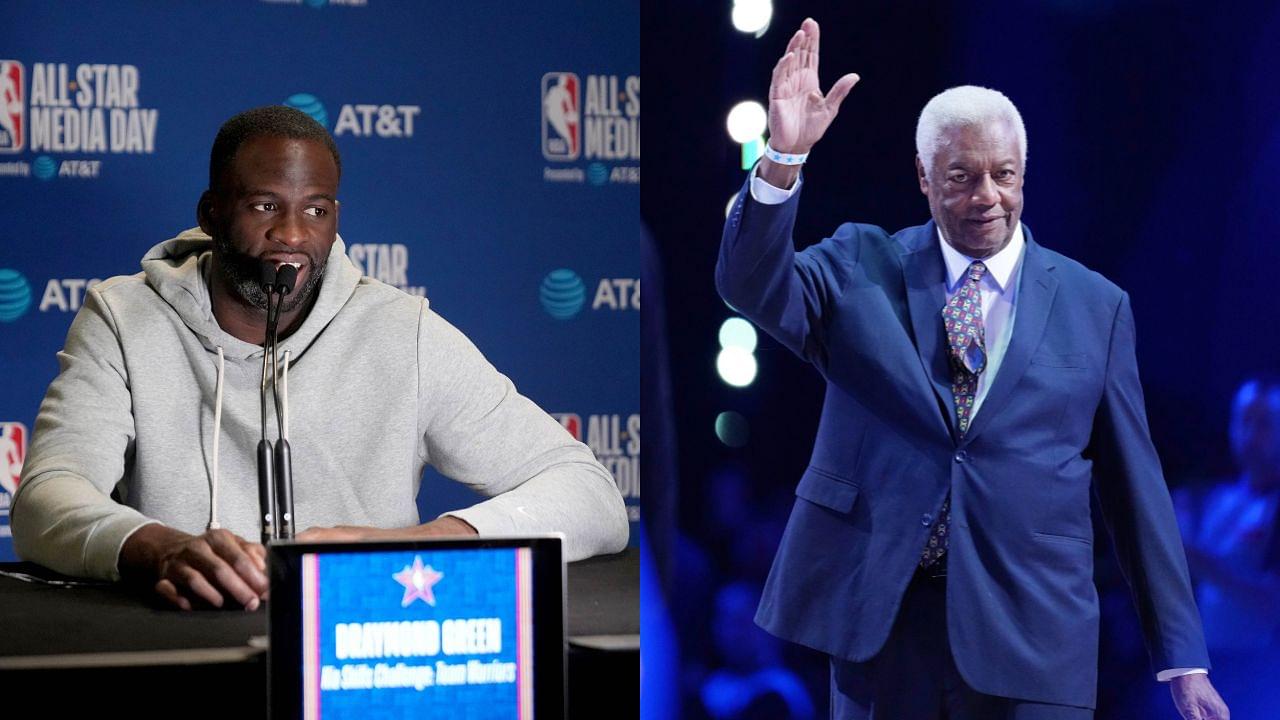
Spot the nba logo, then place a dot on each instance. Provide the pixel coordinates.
(13, 113)
(561, 126)
(570, 422)
(13, 449)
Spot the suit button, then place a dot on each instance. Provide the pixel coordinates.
(926, 519)
(962, 456)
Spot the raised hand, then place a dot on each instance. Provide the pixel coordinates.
(799, 114)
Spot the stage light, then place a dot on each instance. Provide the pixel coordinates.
(747, 121)
(732, 429)
(736, 332)
(752, 16)
(736, 366)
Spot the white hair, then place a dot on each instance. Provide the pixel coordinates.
(964, 106)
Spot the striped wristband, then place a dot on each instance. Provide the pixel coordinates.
(784, 158)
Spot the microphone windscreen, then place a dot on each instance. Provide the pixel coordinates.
(267, 277)
(286, 276)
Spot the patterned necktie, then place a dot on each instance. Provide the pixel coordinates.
(967, 350)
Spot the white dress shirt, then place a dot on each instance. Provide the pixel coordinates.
(998, 289)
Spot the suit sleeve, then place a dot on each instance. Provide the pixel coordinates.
(786, 293)
(1135, 504)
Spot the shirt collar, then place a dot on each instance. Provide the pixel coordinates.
(1000, 266)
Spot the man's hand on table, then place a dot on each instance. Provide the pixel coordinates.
(196, 570)
(208, 570)
(441, 527)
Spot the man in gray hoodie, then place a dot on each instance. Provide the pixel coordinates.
(143, 463)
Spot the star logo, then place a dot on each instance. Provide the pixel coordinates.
(418, 581)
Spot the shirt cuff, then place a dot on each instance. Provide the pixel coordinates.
(1171, 673)
(766, 194)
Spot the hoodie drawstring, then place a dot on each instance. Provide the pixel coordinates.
(217, 426)
(217, 431)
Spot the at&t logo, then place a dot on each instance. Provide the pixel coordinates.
(361, 119)
(311, 105)
(15, 295)
(44, 167)
(563, 294)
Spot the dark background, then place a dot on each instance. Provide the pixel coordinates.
(1153, 148)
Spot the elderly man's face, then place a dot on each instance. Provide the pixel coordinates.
(277, 203)
(975, 187)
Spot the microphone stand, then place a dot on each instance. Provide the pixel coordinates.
(286, 277)
(266, 465)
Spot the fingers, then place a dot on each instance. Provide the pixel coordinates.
(810, 29)
(195, 583)
(235, 568)
(840, 90)
(806, 49)
(321, 534)
(793, 45)
(780, 71)
(342, 533)
(167, 590)
(1206, 706)
(256, 551)
(1202, 700)
(804, 44)
(310, 535)
(205, 568)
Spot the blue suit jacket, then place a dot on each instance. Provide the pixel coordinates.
(1064, 412)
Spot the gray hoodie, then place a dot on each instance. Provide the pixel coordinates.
(156, 403)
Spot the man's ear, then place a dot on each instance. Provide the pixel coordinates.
(204, 212)
(924, 181)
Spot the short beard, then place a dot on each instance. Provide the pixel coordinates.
(243, 273)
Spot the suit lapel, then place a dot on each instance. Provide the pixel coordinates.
(926, 281)
(1035, 299)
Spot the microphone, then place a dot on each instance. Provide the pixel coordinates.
(286, 278)
(266, 465)
(267, 277)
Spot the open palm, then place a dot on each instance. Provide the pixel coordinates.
(799, 114)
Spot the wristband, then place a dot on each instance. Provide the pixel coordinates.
(784, 158)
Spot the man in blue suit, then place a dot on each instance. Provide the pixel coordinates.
(978, 385)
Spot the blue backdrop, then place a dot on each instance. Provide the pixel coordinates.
(491, 161)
